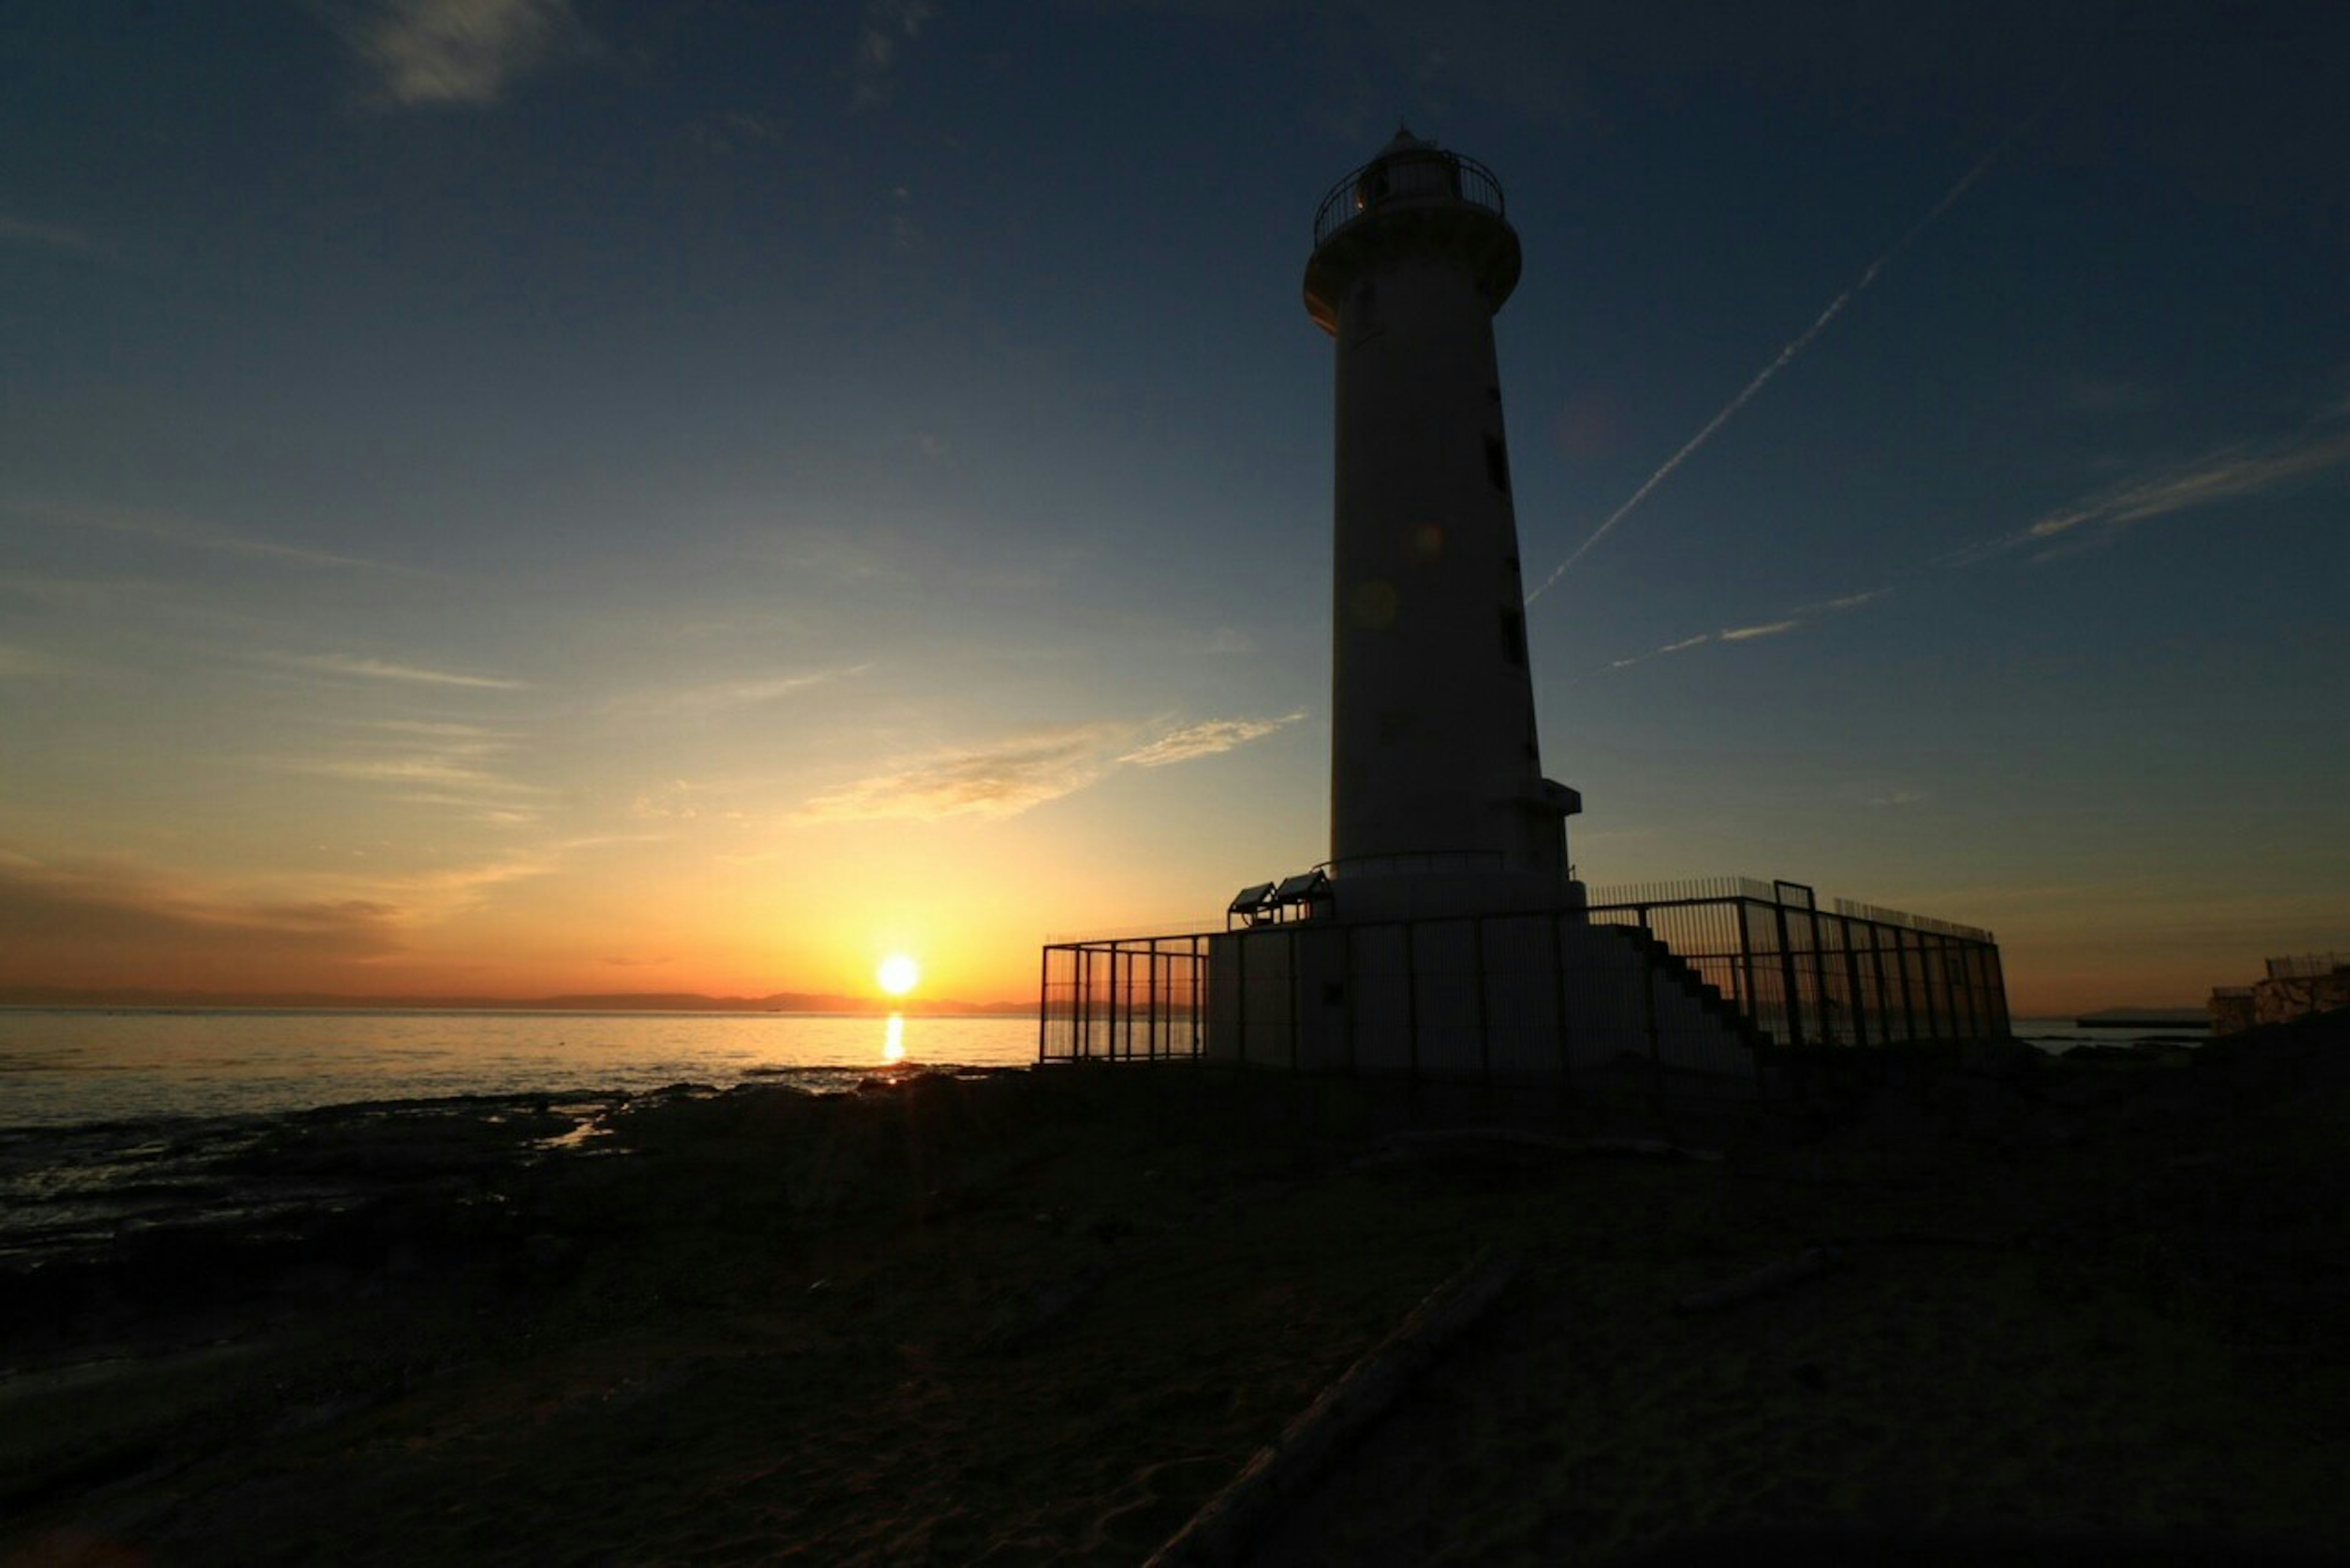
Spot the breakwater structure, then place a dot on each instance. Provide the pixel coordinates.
(1446, 936)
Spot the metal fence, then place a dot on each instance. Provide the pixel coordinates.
(1728, 962)
(1123, 998)
(1844, 974)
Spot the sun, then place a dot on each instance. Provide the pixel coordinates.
(897, 974)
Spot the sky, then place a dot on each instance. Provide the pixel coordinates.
(527, 496)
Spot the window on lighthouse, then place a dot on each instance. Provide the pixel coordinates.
(1513, 637)
(1497, 464)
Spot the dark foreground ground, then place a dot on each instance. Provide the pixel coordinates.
(2068, 1310)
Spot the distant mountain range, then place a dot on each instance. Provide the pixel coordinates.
(616, 1002)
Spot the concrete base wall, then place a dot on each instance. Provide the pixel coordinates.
(1524, 998)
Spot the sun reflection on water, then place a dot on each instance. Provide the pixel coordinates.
(893, 1039)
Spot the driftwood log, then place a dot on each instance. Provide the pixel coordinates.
(1762, 1281)
(1448, 1141)
(1220, 1532)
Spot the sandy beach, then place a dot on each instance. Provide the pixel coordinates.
(1049, 1316)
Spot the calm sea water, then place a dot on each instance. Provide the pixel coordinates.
(66, 1066)
(115, 1121)
(60, 1067)
(2058, 1035)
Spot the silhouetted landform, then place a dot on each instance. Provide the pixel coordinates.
(618, 1001)
(2143, 1018)
(2043, 1309)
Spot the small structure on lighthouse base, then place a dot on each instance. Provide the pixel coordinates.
(1446, 935)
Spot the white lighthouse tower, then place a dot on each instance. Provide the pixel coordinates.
(1438, 803)
(1446, 939)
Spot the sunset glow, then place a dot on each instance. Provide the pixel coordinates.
(605, 507)
(897, 974)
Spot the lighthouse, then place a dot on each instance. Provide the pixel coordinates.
(1437, 802)
(1446, 939)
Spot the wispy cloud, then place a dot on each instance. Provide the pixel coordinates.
(426, 769)
(1748, 633)
(1018, 773)
(2222, 475)
(18, 230)
(885, 28)
(356, 666)
(1205, 739)
(718, 696)
(1786, 355)
(440, 729)
(1003, 778)
(454, 889)
(1848, 602)
(181, 531)
(428, 763)
(460, 53)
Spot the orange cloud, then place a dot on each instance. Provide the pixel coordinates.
(96, 923)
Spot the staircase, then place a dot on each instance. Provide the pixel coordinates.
(1665, 967)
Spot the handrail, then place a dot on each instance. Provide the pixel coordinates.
(1463, 179)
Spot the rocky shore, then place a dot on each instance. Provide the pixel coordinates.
(2010, 1304)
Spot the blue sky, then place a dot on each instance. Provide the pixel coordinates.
(516, 496)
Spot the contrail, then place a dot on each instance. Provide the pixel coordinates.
(1802, 342)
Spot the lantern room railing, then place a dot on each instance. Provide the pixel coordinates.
(1406, 177)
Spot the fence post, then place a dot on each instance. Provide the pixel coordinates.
(1201, 947)
(1794, 1009)
(1876, 969)
(1933, 970)
(1824, 1025)
(1751, 995)
(1997, 982)
(1966, 954)
(1853, 1009)
(1043, 1000)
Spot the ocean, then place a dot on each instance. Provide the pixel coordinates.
(117, 1121)
(62, 1066)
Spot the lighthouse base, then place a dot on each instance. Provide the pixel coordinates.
(1523, 995)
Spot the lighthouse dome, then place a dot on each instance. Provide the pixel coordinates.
(1413, 197)
(1406, 169)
